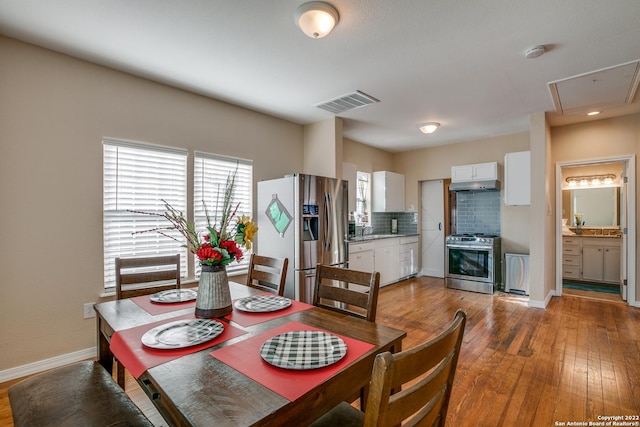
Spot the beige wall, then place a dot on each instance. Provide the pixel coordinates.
(599, 139)
(367, 158)
(435, 163)
(323, 148)
(54, 111)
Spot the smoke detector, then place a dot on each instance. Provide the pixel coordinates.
(534, 52)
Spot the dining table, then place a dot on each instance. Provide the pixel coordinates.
(229, 381)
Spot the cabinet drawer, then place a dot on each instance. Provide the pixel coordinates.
(408, 239)
(359, 247)
(571, 260)
(571, 272)
(571, 250)
(602, 241)
(571, 241)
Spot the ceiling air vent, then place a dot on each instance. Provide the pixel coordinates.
(348, 102)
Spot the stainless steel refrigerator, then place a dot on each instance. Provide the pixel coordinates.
(304, 218)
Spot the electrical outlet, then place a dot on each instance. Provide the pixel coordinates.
(89, 312)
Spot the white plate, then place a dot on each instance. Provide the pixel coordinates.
(174, 295)
(262, 303)
(303, 350)
(182, 333)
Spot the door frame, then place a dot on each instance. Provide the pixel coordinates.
(630, 164)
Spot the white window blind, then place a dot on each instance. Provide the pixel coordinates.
(210, 177)
(363, 192)
(137, 177)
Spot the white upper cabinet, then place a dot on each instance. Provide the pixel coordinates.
(388, 192)
(476, 172)
(517, 178)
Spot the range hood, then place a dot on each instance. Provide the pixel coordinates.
(483, 185)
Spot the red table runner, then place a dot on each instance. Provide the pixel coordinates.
(127, 347)
(154, 308)
(245, 357)
(244, 318)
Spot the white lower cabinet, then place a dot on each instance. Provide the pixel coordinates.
(394, 258)
(591, 259)
(361, 256)
(408, 256)
(601, 261)
(387, 260)
(611, 265)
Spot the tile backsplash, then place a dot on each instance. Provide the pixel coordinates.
(478, 212)
(407, 222)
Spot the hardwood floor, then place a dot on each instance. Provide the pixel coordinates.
(519, 366)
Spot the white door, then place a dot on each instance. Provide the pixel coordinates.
(432, 228)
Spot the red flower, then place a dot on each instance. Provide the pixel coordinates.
(206, 252)
(232, 248)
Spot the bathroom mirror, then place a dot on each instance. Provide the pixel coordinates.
(599, 206)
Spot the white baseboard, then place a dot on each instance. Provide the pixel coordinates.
(46, 364)
(542, 304)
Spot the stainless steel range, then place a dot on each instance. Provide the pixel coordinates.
(472, 262)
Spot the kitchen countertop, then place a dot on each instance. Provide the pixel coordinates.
(367, 237)
(594, 236)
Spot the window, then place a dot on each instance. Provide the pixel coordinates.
(363, 195)
(210, 177)
(137, 177)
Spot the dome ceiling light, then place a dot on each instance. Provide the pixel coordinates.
(429, 127)
(316, 19)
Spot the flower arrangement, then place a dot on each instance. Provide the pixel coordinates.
(223, 239)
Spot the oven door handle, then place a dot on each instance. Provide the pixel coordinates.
(473, 248)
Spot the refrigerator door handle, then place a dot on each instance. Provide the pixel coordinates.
(328, 208)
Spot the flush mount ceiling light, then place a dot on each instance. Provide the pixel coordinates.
(316, 19)
(429, 127)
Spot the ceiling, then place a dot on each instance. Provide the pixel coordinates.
(457, 62)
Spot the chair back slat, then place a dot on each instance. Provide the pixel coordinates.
(334, 291)
(428, 369)
(162, 269)
(267, 274)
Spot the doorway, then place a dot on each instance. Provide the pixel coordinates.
(627, 221)
(434, 225)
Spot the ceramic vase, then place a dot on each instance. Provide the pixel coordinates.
(214, 297)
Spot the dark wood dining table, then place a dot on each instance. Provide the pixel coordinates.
(200, 390)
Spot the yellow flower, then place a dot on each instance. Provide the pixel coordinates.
(249, 230)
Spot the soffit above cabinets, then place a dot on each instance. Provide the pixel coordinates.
(597, 90)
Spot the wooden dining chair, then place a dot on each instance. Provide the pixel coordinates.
(412, 386)
(267, 274)
(347, 291)
(156, 272)
(157, 269)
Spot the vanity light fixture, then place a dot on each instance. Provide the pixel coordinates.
(429, 127)
(316, 19)
(591, 180)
